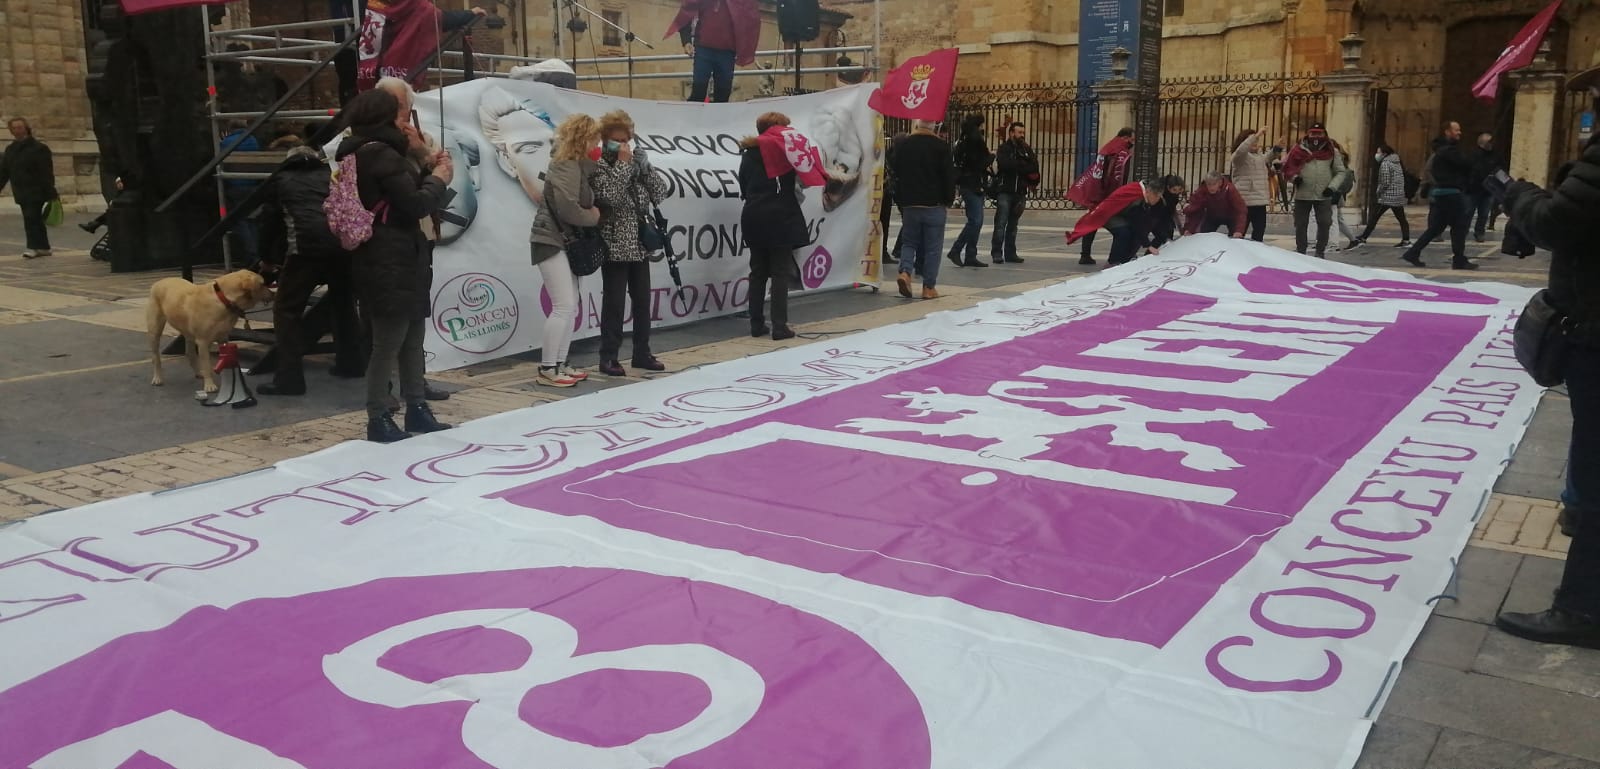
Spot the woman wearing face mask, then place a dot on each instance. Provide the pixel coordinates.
(1391, 195)
(568, 204)
(626, 188)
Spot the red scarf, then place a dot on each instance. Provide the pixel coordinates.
(784, 149)
(746, 26)
(396, 35)
(1301, 155)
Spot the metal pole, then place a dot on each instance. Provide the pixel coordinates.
(216, 150)
(797, 50)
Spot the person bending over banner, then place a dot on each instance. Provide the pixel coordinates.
(520, 132)
(1217, 203)
(1127, 215)
(773, 226)
(626, 188)
(569, 203)
(392, 270)
(1109, 171)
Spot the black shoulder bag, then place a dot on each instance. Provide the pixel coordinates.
(584, 247)
(1543, 339)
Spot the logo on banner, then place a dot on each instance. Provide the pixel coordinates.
(553, 667)
(548, 305)
(816, 269)
(475, 313)
(918, 93)
(1332, 287)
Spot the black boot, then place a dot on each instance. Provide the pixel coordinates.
(420, 419)
(759, 328)
(384, 430)
(1553, 627)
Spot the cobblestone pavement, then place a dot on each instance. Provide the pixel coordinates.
(83, 425)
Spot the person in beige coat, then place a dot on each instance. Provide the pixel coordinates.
(1251, 173)
(568, 203)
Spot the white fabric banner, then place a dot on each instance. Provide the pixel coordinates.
(488, 299)
(1189, 512)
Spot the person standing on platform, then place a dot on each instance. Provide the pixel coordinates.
(717, 34)
(973, 163)
(925, 186)
(1107, 174)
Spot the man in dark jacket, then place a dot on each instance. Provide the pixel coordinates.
(1448, 205)
(925, 186)
(1484, 165)
(1018, 174)
(973, 163)
(1567, 222)
(296, 238)
(28, 168)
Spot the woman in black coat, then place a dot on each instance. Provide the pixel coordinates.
(773, 227)
(393, 270)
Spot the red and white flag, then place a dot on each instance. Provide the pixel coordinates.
(919, 89)
(131, 7)
(784, 149)
(1519, 53)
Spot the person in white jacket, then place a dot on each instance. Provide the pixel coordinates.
(1251, 173)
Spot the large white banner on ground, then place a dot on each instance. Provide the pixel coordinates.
(1185, 513)
(488, 299)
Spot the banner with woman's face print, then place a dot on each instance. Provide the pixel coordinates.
(488, 298)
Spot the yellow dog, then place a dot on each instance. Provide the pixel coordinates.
(203, 314)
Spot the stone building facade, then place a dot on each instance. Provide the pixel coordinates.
(42, 69)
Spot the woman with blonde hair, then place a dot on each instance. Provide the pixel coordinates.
(773, 226)
(626, 188)
(568, 203)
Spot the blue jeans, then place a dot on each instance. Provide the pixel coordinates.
(923, 230)
(1580, 583)
(1008, 209)
(712, 64)
(968, 240)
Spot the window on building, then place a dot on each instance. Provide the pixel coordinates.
(609, 35)
(1174, 7)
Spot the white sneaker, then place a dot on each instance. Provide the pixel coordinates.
(573, 373)
(554, 378)
(30, 254)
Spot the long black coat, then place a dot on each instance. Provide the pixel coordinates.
(394, 269)
(771, 217)
(27, 167)
(1566, 221)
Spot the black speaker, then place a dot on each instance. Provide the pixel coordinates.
(799, 21)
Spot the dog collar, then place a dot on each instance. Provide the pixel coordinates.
(233, 308)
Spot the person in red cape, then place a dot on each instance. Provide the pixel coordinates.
(1126, 213)
(1216, 203)
(717, 34)
(397, 35)
(1106, 174)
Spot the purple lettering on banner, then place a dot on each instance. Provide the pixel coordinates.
(816, 269)
(1333, 287)
(503, 670)
(1029, 477)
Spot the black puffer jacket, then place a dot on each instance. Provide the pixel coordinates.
(771, 217)
(293, 223)
(394, 269)
(972, 161)
(27, 167)
(1567, 222)
(1452, 169)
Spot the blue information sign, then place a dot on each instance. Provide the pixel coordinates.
(1104, 26)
